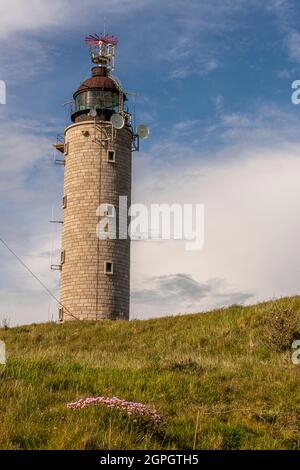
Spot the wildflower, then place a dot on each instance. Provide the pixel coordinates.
(131, 408)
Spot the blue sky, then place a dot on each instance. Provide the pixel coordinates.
(214, 81)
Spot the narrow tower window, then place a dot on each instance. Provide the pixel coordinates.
(63, 257)
(64, 202)
(111, 156)
(66, 148)
(109, 210)
(109, 268)
(61, 314)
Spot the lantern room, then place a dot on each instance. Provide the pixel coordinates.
(100, 93)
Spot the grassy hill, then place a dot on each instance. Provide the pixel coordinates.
(213, 377)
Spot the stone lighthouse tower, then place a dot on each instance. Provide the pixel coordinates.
(97, 147)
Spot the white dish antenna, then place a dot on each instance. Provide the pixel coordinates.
(143, 132)
(117, 121)
(93, 113)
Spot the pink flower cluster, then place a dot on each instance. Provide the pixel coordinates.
(131, 408)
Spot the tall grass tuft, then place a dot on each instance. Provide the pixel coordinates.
(281, 325)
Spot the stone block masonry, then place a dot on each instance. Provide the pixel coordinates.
(91, 180)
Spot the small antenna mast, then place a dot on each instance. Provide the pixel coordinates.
(102, 50)
(52, 238)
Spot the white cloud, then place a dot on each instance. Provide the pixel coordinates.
(165, 294)
(198, 42)
(202, 67)
(24, 58)
(22, 148)
(251, 194)
(30, 15)
(284, 10)
(265, 126)
(27, 28)
(22, 298)
(29, 186)
(292, 41)
(38, 15)
(186, 125)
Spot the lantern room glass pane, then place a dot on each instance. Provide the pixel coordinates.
(99, 99)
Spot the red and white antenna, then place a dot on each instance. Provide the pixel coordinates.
(93, 40)
(102, 49)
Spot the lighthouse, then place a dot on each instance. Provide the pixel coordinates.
(97, 149)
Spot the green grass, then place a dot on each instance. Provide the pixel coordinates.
(210, 375)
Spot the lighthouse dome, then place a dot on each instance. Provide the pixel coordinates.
(99, 92)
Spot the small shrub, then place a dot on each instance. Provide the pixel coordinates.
(5, 323)
(233, 436)
(280, 326)
(186, 366)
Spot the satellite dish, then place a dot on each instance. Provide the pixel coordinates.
(93, 113)
(143, 132)
(117, 121)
